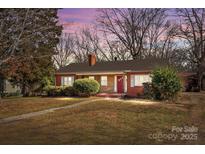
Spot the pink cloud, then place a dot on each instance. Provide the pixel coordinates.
(76, 19)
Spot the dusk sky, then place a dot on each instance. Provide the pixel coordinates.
(74, 19)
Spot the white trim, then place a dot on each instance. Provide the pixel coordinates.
(125, 83)
(115, 83)
(105, 81)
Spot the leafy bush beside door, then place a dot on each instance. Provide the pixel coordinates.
(166, 83)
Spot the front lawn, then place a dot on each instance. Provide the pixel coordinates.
(20, 105)
(111, 122)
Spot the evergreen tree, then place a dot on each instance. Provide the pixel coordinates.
(26, 54)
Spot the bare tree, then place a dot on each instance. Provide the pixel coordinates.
(131, 26)
(192, 31)
(160, 38)
(85, 43)
(113, 49)
(64, 50)
(88, 41)
(117, 51)
(105, 49)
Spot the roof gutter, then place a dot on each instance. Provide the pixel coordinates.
(90, 73)
(101, 72)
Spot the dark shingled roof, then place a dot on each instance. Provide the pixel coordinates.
(114, 66)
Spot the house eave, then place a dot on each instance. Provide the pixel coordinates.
(91, 73)
(137, 71)
(101, 72)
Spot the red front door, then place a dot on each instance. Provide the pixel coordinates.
(120, 84)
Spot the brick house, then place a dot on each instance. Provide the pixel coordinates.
(125, 77)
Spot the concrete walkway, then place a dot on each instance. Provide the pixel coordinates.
(37, 113)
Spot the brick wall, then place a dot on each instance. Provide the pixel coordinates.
(137, 90)
(58, 80)
(110, 85)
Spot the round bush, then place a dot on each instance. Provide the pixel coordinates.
(165, 83)
(68, 91)
(86, 87)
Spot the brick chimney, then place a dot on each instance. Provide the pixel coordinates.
(91, 59)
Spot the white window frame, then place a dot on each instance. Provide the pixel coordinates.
(138, 80)
(91, 77)
(67, 80)
(125, 83)
(115, 83)
(103, 80)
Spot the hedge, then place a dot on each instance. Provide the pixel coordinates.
(59, 91)
(86, 87)
(81, 87)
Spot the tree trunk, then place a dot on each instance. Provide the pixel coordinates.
(24, 90)
(199, 82)
(200, 75)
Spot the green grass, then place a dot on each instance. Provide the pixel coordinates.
(109, 122)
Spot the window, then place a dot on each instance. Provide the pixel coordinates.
(138, 80)
(91, 77)
(67, 80)
(103, 80)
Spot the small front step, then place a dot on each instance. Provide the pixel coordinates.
(111, 95)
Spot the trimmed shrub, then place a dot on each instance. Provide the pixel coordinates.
(69, 91)
(54, 91)
(59, 91)
(148, 90)
(17, 93)
(86, 87)
(165, 83)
